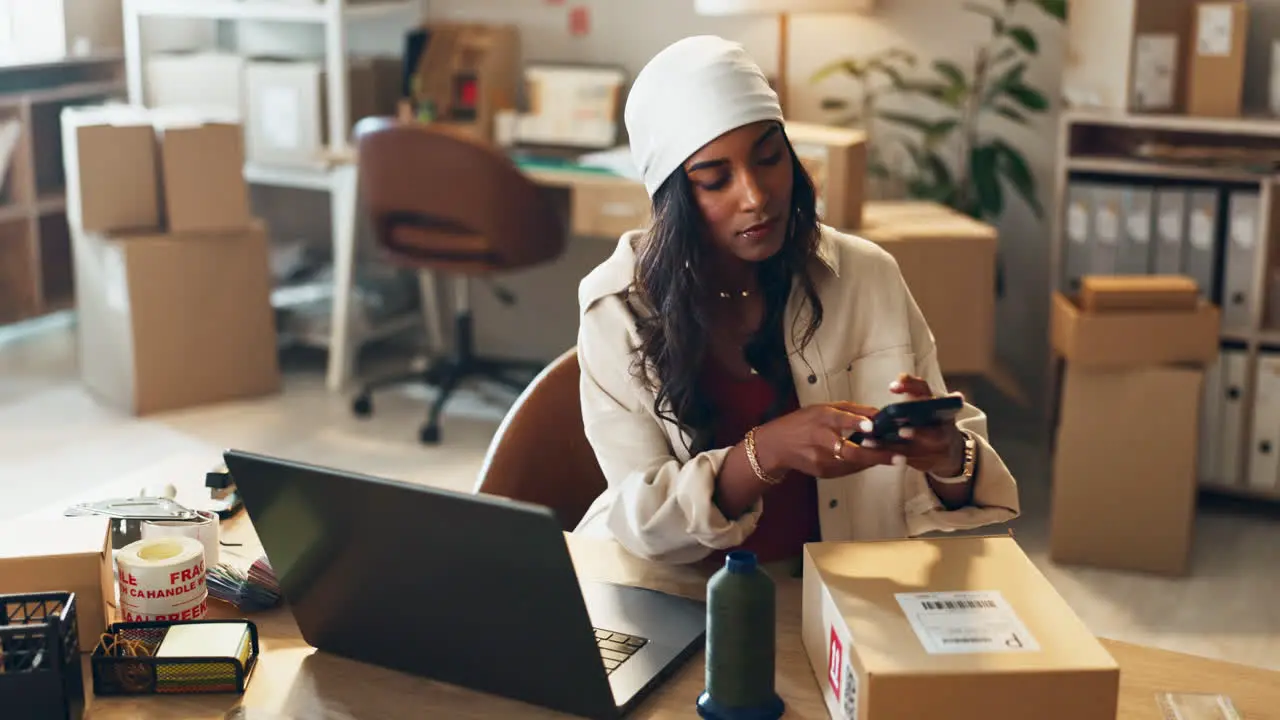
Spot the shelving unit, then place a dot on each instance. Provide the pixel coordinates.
(337, 179)
(1116, 146)
(35, 247)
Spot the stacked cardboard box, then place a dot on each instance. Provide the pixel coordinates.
(1125, 456)
(949, 262)
(171, 268)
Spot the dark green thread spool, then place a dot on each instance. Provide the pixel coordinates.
(741, 638)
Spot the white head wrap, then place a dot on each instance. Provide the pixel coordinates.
(691, 93)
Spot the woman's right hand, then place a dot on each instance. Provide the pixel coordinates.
(807, 441)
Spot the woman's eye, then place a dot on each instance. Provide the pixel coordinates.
(717, 184)
(772, 159)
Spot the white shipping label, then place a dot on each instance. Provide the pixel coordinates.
(842, 681)
(1108, 225)
(1077, 223)
(1243, 233)
(1139, 227)
(115, 285)
(978, 621)
(1155, 67)
(279, 114)
(1201, 229)
(1213, 30)
(1171, 227)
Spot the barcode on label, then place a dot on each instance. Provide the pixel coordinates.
(957, 604)
(963, 640)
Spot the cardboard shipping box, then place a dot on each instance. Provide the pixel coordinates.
(174, 321)
(203, 80)
(287, 112)
(963, 628)
(1132, 339)
(110, 162)
(202, 161)
(836, 159)
(1125, 468)
(64, 554)
(949, 262)
(1127, 55)
(1215, 76)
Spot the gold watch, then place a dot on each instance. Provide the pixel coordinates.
(970, 462)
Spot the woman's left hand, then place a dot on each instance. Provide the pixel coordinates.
(937, 450)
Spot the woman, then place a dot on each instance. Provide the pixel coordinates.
(729, 351)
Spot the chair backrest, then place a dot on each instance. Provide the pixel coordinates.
(439, 199)
(540, 453)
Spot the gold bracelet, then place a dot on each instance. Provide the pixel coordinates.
(755, 463)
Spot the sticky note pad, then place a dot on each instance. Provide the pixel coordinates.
(204, 640)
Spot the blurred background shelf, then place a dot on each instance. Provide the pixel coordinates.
(35, 247)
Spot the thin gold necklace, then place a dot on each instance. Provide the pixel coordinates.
(740, 293)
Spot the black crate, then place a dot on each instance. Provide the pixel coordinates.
(118, 673)
(40, 672)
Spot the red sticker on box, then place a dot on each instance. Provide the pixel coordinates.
(579, 21)
(835, 662)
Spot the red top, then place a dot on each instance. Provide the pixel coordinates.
(790, 517)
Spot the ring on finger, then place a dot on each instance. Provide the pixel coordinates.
(838, 449)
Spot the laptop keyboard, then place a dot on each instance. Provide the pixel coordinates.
(616, 648)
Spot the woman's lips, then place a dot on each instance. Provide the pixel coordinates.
(755, 232)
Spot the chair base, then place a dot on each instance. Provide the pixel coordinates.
(448, 374)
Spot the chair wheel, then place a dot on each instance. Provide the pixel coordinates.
(362, 406)
(429, 434)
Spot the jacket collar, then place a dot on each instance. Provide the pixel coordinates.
(615, 275)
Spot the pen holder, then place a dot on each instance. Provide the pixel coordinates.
(40, 672)
(123, 663)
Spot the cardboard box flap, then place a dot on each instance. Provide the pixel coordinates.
(879, 588)
(45, 538)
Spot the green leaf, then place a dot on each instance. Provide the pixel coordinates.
(1055, 8)
(833, 104)
(1013, 167)
(847, 67)
(1007, 53)
(1028, 97)
(1011, 114)
(984, 172)
(997, 20)
(933, 131)
(1025, 39)
(952, 73)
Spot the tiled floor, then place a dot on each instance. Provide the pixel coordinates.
(58, 446)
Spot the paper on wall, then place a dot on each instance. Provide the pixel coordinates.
(1155, 67)
(1213, 30)
(962, 622)
(1077, 223)
(1108, 225)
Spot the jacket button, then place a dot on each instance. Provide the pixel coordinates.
(813, 379)
(833, 503)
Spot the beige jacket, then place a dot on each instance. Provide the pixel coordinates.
(658, 503)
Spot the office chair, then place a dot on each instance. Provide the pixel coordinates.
(540, 454)
(444, 202)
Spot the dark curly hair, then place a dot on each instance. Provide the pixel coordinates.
(674, 327)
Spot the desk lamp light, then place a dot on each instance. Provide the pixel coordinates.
(783, 9)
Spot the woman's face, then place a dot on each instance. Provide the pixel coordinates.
(742, 183)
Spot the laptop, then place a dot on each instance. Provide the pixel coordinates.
(474, 590)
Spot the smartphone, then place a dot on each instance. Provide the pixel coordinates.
(912, 413)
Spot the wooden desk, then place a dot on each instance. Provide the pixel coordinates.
(295, 682)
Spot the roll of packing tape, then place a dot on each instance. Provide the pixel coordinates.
(205, 530)
(162, 576)
(197, 609)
